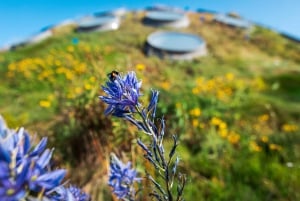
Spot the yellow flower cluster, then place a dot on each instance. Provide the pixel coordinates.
(263, 125)
(223, 131)
(223, 87)
(220, 86)
(275, 147)
(264, 141)
(288, 128)
(47, 102)
(59, 69)
(195, 113)
(48, 68)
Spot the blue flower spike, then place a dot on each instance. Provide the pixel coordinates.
(122, 93)
(122, 178)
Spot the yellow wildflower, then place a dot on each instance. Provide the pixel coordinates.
(195, 123)
(45, 103)
(223, 133)
(195, 91)
(289, 128)
(222, 125)
(264, 139)
(275, 147)
(140, 67)
(78, 90)
(254, 146)
(87, 86)
(233, 138)
(195, 112)
(199, 80)
(229, 76)
(263, 118)
(215, 121)
(165, 85)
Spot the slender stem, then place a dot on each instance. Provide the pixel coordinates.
(161, 155)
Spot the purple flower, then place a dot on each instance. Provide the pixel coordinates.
(13, 189)
(71, 193)
(122, 94)
(25, 169)
(78, 194)
(151, 109)
(121, 178)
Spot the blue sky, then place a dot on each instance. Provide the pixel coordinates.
(21, 18)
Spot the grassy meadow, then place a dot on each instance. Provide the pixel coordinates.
(236, 110)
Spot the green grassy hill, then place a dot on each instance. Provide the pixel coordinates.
(236, 110)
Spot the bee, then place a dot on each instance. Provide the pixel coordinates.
(113, 75)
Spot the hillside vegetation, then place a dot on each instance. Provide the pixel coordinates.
(236, 110)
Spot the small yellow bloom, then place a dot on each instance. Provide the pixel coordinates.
(199, 80)
(264, 139)
(195, 91)
(195, 112)
(215, 121)
(222, 125)
(165, 85)
(78, 90)
(45, 103)
(195, 123)
(88, 86)
(223, 133)
(60, 70)
(254, 146)
(263, 118)
(275, 147)
(140, 67)
(234, 138)
(229, 76)
(69, 75)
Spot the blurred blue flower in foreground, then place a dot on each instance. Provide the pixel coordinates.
(71, 193)
(122, 93)
(25, 170)
(122, 178)
(122, 99)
